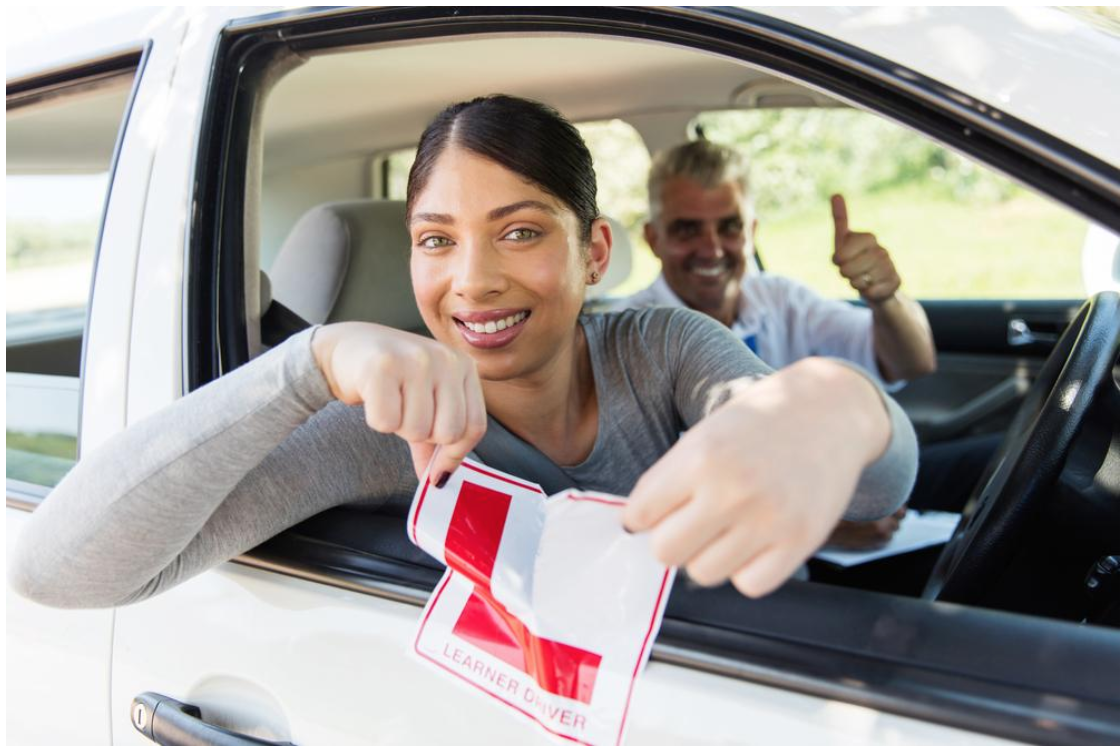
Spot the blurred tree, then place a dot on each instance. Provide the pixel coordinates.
(800, 156)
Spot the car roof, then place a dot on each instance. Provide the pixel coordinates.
(1042, 66)
(1045, 67)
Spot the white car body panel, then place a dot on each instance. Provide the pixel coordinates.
(157, 334)
(108, 346)
(57, 668)
(283, 658)
(286, 659)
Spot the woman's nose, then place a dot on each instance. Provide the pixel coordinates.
(478, 273)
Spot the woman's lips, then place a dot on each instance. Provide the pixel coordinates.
(491, 340)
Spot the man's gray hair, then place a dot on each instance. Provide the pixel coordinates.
(702, 161)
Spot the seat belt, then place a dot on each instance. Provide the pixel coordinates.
(504, 450)
(280, 322)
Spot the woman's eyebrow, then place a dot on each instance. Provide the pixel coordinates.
(432, 217)
(496, 214)
(501, 212)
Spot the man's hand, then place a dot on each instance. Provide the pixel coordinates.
(866, 535)
(862, 261)
(902, 337)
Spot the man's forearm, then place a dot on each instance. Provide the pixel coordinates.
(903, 340)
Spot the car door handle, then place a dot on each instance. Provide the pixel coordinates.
(169, 722)
(1019, 333)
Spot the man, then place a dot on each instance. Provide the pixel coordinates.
(702, 228)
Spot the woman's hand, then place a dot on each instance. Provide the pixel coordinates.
(755, 488)
(410, 386)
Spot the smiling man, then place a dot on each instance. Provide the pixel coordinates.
(702, 228)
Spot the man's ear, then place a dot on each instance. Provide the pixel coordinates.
(599, 250)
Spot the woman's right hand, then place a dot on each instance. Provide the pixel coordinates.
(410, 386)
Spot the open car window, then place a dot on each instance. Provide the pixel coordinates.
(330, 121)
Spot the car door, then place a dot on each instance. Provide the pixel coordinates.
(75, 196)
(990, 344)
(305, 638)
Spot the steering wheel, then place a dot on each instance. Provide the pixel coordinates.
(1022, 474)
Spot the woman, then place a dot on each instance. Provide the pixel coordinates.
(506, 236)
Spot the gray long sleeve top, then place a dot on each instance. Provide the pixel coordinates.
(266, 446)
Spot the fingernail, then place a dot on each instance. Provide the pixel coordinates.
(442, 480)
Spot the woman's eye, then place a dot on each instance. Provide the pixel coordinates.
(434, 242)
(522, 234)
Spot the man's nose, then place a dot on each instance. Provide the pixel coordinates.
(478, 273)
(709, 242)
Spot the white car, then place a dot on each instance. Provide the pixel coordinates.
(198, 148)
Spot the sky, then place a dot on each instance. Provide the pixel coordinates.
(38, 198)
(35, 197)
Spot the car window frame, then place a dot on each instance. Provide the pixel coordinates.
(33, 89)
(928, 680)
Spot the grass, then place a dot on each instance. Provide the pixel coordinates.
(37, 243)
(39, 458)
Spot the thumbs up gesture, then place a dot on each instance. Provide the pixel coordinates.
(862, 261)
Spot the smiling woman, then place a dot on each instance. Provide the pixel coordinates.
(602, 398)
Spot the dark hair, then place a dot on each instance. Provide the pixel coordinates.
(527, 137)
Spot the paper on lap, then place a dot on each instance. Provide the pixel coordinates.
(548, 606)
(916, 531)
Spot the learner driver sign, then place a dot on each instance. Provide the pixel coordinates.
(547, 607)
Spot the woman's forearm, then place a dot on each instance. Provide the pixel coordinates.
(129, 518)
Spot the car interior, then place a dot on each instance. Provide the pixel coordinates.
(311, 173)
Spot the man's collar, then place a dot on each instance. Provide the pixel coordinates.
(748, 316)
(663, 295)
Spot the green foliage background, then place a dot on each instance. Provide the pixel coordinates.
(954, 228)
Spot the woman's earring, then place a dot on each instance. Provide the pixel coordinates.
(594, 279)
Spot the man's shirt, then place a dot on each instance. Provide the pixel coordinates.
(782, 321)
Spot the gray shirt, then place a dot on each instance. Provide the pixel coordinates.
(266, 446)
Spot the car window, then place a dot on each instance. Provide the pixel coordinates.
(394, 172)
(59, 156)
(956, 229)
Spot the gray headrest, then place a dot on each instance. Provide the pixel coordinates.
(348, 261)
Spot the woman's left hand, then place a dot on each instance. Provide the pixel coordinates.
(756, 487)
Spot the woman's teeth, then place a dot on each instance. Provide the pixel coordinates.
(491, 327)
(708, 271)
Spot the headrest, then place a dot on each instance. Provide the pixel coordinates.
(621, 262)
(348, 261)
